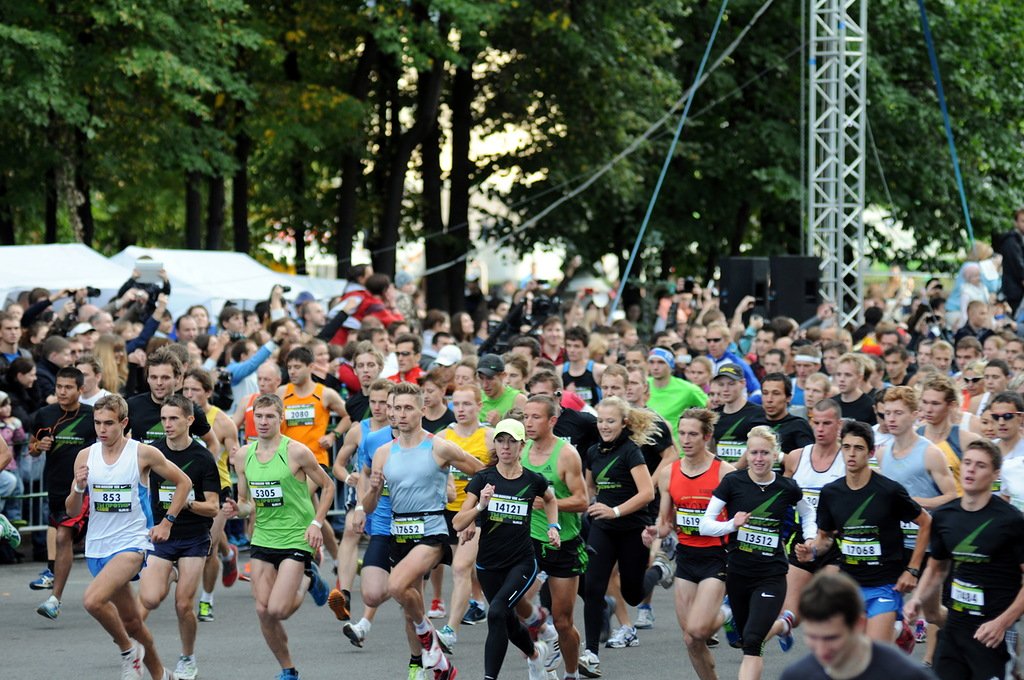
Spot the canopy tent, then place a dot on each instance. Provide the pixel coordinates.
(219, 276)
(56, 266)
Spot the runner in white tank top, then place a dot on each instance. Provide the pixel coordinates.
(113, 475)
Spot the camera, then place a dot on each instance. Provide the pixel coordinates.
(92, 292)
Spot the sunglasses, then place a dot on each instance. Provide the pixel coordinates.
(404, 354)
(715, 339)
(1004, 416)
(971, 381)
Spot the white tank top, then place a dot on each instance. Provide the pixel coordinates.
(120, 514)
(810, 480)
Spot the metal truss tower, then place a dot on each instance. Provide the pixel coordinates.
(837, 120)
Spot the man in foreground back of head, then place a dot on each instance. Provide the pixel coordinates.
(834, 628)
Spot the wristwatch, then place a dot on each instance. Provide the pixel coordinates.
(170, 518)
(916, 573)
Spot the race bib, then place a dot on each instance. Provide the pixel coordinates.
(812, 496)
(166, 494)
(688, 520)
(268, 494)
(585, 393)
(909, 531)
(299, 414)
(507, 509)
(111, 497)
(408, 528)
(731, 453)
(758, 540)
(458, 475)
(967, 597)
(856, 549)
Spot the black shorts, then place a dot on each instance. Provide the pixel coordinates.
(831, 556)
(959, 656)
(59, 516)
(174, 549)
(399, 549)
(378, 553)
(567, 561)
(275, 556)
(700, 564)
(453, 535)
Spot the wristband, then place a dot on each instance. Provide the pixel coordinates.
(618, 513)
(555, 525)
(359, 508)
(77, 490)
(317, 523)
(480, 508)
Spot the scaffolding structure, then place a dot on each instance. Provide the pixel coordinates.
(837, 120)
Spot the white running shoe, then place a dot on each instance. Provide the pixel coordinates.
(131, 663)
(589, 664)
(623, 637)
(536, 666)
(186, 668)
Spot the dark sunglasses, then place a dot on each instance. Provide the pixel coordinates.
(971, 381)
(1004, 416)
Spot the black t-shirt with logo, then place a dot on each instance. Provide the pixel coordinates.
(867, 526)
(358, 406)
(758, 548)
(862, 409)
(579, 429)
(72, 431)
(434, 426)
(732, 429)
(987, 553)
(196, 462)
(612, 467)
(793, 432)
(144, 419)
(505, 524)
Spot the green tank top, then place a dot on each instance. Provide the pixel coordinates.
(570, 521)
(282, 503)
(503, 404)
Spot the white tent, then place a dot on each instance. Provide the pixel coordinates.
(56, 266)
(218, 276)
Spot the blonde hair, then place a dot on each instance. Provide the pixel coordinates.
(764, 432)
(642, 423)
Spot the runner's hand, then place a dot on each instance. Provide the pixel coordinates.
(805, 551)
(314, 537)
(486, 493)
(554, 538)
(82, 476)
(649, 536)
(600, 511)
(467, 534)
(991, 633)
(45, 443)
(376, 480)
(906, 583)
(740, 518)
(911, 609)
(358, 520)
(161, 532)
(230, 508)
(352, 479)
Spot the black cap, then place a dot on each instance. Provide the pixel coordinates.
(490, 365)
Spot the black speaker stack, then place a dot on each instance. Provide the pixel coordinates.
(782, 285)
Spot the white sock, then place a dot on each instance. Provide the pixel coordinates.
(548, 633)
(206, 597)
(365, 624)
(422, 627)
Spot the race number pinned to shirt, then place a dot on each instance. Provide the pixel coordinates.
(758, 537)
(166, 494)
(111, 497)
(729, 452)
(296, 415)
(507, 509)
(967, 597)
(408, 528)
(865, 549)
(688, 521)
(812, 496)
(267, 494)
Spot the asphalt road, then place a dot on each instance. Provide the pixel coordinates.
(232, 646)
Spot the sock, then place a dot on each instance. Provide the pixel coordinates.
(127, 651)
(49, 565)
(570, 676)
(534, 617)
(548, 633)
(365, 624)
(786, 627)
(416, 660)
(422, 627)
(207, 598)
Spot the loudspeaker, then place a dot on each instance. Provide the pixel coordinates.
(743, 276)
(795, 281)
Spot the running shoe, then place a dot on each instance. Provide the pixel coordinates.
(534, 628)
(535, 667)
(229, 568)
(431, 648)
(205, 611)
(553, 656)
(644, 617)
(437, 610)
(474, 615)
(186, 668)
(786, 639)
(131, 663)
(339, 605)
(9, 533)
(447, 637)
(921, 631)
(246, 573)
(590, 665)
(713, 642)
(729, 626)
(623, 637)
(50, 608)
(317, 586)
(447, 674)
(290, 674)
(44, 582)
(355, 633)
(416, 672)
(905, 640)
(668, 574)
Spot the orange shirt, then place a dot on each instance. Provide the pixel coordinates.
(306, 419)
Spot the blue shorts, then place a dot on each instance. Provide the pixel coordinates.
(378, 553)
(881, 600)
(96, 564)
(174, 549)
